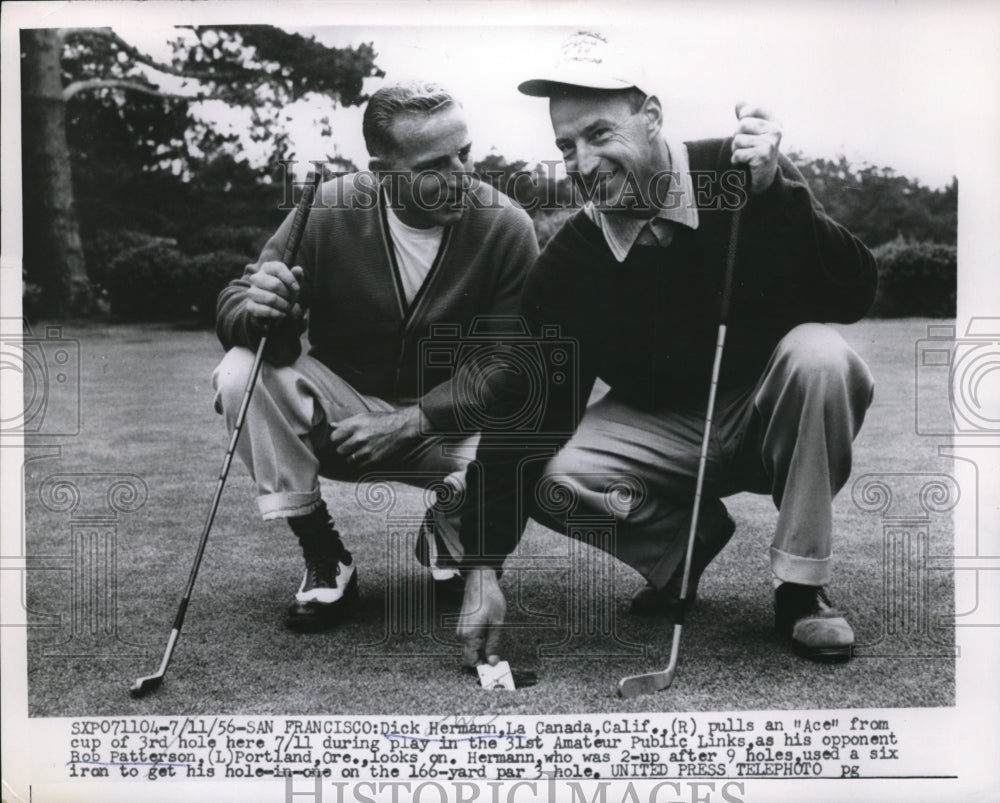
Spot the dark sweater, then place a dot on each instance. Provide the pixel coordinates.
(359, 323)
(648, 326)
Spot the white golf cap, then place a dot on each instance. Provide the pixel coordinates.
(587, 59)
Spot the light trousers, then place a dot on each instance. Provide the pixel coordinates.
(285, 439)
(789, 436)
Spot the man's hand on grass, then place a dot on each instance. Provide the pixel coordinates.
(369, 438)
(479, 623)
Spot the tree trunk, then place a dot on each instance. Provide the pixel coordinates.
(53, 252)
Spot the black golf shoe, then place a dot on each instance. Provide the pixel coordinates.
(329, 586)
(328, 591)
(666, 601)
(817, 630)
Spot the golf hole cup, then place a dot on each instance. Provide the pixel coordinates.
(496, 677)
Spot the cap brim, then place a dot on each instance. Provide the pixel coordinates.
(546, 87)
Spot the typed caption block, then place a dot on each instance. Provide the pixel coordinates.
(648, 746)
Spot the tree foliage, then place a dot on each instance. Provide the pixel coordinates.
(147, 168)
(878, 205)
(875, 203)
(141, 158)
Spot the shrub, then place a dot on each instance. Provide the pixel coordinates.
(158, 282)
(916, 278)
(208, 274)
(105, 246)
(147, 283)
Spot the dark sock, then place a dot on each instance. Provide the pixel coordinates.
(317, 536)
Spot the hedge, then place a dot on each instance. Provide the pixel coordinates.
(209, 274)
(159, 282)
(916, 279)
(105, 246)
(156, 281)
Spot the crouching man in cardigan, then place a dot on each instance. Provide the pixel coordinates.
(635, 278)
(385, 256)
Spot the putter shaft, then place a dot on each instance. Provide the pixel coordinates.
(148, 683)
(648, 683)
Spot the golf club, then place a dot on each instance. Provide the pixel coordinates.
(146, 684)
(635, 685)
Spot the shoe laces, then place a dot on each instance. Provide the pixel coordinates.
(322, 573)
(321, 544)
(824, 607)
(802, 601)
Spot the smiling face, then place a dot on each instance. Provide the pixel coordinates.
(610, 149)
(431, 159)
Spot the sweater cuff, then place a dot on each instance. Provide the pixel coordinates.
(437, 407)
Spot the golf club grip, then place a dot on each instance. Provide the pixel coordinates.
(299, 221)
(288, 257)
(291, 251)
(728, 276)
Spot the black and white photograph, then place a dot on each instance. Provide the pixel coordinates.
(500, 401)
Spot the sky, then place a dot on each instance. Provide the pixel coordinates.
(891, 84)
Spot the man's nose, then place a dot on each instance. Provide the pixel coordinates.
(587, 161)
(457, 172)
(458, 167)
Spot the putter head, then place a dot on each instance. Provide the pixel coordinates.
(653, 681)
(144, 686)
(637, 685)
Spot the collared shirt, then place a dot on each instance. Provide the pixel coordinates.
(621, 231)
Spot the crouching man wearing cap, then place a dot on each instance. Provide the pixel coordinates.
(635, 278)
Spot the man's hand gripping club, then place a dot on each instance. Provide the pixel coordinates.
(274, 294)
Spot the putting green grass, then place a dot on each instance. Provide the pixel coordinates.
(146, 410)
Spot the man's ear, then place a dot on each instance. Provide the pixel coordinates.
(653, 112)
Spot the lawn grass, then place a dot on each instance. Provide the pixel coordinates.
(146, 410)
